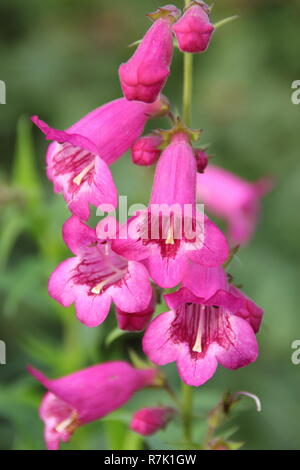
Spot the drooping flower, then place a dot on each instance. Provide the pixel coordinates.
(87, 395)
(145, 151)
(144, 75)
(233, 199)
(171, 232)
(136, 321)
(148, 421)
(97, 276)
(78, 159)
(194, 29)
(201, 331)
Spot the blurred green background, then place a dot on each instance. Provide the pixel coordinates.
(59, 59)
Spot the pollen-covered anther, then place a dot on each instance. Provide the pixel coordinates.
(78, 179)
(170, 238)
(198, 343)
(70, 424)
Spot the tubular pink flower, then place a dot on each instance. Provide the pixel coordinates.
(136, 321)
(96, 276)
(171, 233)
(87, 395)
(145, 151)
(194, 29)
(148, 421)
(78, 159)
(233, 199)
(144, 75)
(200, 332)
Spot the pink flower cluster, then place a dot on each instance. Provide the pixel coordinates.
(209, 321)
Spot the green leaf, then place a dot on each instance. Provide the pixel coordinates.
(12, 224)
(25, 175)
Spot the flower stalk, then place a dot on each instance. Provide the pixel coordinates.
(187, 391)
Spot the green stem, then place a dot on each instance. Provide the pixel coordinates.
(187, 87)
(187, 391)
(187, 83)
(187, 412)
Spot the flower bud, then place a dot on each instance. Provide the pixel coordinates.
(147, 421)
(201, 159)
(194, 30)
(145, 150)
(144, 75)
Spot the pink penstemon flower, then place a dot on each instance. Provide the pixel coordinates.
(203, 329)
(194, 29)
(78, 159)
(232, 198)
(145, 74)
(148, 421)
(87, 395)
(97, 276)
(171, 232)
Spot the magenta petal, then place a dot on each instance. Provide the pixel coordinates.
(214, 250)
(243, 348)
(128, 242)
(104, 190)
(204, 282)
(181, 296)
(195, 371)
(133, 292)
(56, 135)
(226, 300)
(91, 309)
(165, 271)
(77, 235)
(175, 175)
(60, 286)
(101, 190)
(157, 341)
(249, 311)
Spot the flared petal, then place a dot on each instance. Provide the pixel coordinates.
(92, 310)
(60, 286)
(167, 272)
(157, 341)
(214, 250)
(133, 292)
(249, 311)
(242, 348)
(77, 235)
(195, 371)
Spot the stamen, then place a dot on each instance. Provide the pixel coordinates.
(69, 424)
(170, 237)
(113, 278)
(198, 343)
(78, 179)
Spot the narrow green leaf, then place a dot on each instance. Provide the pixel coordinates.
(25, 175)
